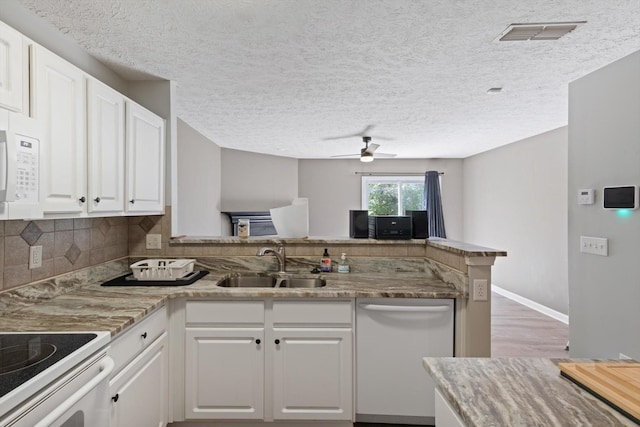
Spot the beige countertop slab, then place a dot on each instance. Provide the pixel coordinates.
(94, 307)
(517, 392)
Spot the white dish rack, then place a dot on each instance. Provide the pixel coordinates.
(162, 269)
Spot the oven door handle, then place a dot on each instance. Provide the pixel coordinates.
(106, 367)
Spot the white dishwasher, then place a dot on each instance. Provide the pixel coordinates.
(392, 337)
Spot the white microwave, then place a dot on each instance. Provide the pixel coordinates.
(20, 143)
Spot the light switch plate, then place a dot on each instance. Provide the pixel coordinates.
(594, 245)
(154, 241)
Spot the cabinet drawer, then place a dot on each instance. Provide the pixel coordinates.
(313, 312)
(127, 346)
(225, 312)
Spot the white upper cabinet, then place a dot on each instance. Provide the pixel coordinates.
(145, 142)
(105, 148)
(13, 73)
(58, 91)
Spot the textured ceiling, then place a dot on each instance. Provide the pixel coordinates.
(279, 76)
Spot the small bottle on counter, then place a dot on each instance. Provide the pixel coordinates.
(343, 264)
(243, 228)
(325, 262)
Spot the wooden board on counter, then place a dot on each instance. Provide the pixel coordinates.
(616, 383)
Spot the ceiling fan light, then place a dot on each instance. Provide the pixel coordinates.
(366, 157)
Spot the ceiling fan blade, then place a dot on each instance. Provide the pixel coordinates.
(352, 135)
(347, 155)
(371, 148)
(382, 138)
(384, 155)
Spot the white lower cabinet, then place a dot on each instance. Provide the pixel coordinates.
(312, 374)
(139, 389)
(269, 360)
(224, 373)
(446, 416)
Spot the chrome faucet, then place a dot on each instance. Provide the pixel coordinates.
(278, 254)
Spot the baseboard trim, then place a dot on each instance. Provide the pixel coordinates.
(531, 304)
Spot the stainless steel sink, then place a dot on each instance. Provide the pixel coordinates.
(248, 282)
(276, 281)
(300, 282)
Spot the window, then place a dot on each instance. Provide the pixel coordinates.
(392, 195)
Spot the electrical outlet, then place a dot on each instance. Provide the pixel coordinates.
(35, 257)
(594, 245)
(480, 290)
(154, 241)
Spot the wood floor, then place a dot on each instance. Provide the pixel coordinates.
(518, 331)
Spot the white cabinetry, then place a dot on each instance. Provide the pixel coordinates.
(445, 415)
(224, 361)
(105, 148)
(271, 360)
(58, 92)
(312, 360)
(139, 391)
(145, 143)
(13, 73)
(393, 335)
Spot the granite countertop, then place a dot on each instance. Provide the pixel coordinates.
(93, 307)
(517, 392)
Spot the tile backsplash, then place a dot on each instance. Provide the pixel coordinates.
(67, 245)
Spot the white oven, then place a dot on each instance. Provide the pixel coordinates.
(77, 398)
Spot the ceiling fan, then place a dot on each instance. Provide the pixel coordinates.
(366, 153)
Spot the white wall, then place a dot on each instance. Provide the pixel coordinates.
(515, 200)
(199, 184)
(256, 182)
(333, 189)
(604, 149)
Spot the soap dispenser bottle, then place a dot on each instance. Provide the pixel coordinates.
(343, 264)
(325, 262)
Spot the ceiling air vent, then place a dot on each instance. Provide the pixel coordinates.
(544, 31)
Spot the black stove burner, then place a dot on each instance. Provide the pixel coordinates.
(25, 355)
(22, 356)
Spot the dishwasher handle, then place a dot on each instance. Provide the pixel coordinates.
(406, 308)
(106, 367)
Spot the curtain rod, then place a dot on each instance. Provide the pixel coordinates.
(393, 173)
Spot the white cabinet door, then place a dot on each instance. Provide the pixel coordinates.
(224, 373)
(139, 393)
(312, 374)
(105, 148)
(145, 144)
(12, 72)
(58, 91)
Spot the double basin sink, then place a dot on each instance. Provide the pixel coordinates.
(257, 280)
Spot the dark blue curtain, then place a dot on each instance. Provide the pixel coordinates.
(433, 204)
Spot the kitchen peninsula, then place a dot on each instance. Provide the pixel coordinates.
(186, 322)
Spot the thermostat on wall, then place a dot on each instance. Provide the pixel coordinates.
(621, 197)
(586, 197)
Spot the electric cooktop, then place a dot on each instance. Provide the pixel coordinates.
(30, 360)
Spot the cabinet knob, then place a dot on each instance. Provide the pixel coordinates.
(82, 199)
(144, 336)
(258, 341)
(97, 199)
(277, 342)
(132, 201)
(116, 397)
